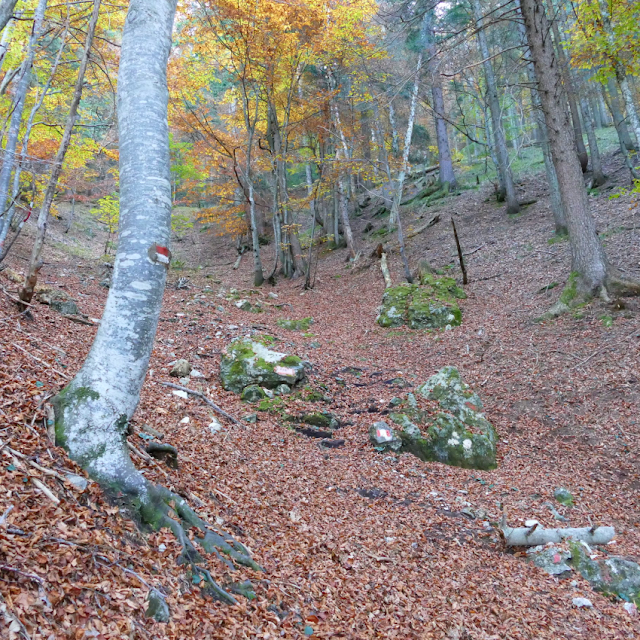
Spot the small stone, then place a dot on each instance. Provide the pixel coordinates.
(181, 369)
(273, 295)
(253, 393)
(197, 374)
(631, 608)
(282, 390)
(215, 426)
(181, 394)
(158, 608)
(383, 438)
(582, 603)
(251, 418)
(79, 482)
(185, 420)
(563, 496)
(162, 547)
(244, 305)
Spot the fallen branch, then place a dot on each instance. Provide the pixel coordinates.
(16, 300)
(385, 271)
(536, 535)
(47, 492)
(215, 407)
(78, 320)
(434, 219)
(469, 253)
(42, 362)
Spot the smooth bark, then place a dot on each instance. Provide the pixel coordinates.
(9, 156)
(4, 229)
(6, 12)
(621, 72)
(502, 153)
(612, 100)
(598, 178)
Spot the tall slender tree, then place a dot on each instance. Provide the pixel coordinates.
(508, 190)
(591, 274)
(92, 412)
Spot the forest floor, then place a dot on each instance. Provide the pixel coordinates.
(355, 544)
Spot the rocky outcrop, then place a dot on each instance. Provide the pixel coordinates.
(246, 363)
(429, 305)
(455, 433)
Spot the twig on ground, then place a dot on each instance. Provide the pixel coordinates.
(214, 406)
(468, 253)
(42, 362)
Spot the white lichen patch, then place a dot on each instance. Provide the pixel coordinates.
(467, 444)
(266, 354)
(141, 286)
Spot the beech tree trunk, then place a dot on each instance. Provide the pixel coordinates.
(620, 71)
(92, 412)
(502, 153)
(590, 272)
(395, 138)
(447, 174)
(26, 293)
(4, 229)
(619, 121)
(6, 11)
(16, 117)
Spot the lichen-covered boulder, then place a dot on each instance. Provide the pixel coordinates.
(452, 394)
(456, 433)
(430, 305)
(246, 362)
(612, 576)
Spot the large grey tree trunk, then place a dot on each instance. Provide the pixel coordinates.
(9, 156)
(591, 274)
(26, 293)
(447, 174)
(6, 11)
(502, 153)
(92, 412)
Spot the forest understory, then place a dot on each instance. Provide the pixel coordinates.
(354, 543)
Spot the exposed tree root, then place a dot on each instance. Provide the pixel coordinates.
(572, 297)
(621, 287)
(163, 508)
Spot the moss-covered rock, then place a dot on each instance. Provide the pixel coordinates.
(246, 362)
(322, 419)
(457, 433)
(614, 576)
(295, 325)
(431, 305)
(452, 394)
(253, 393)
